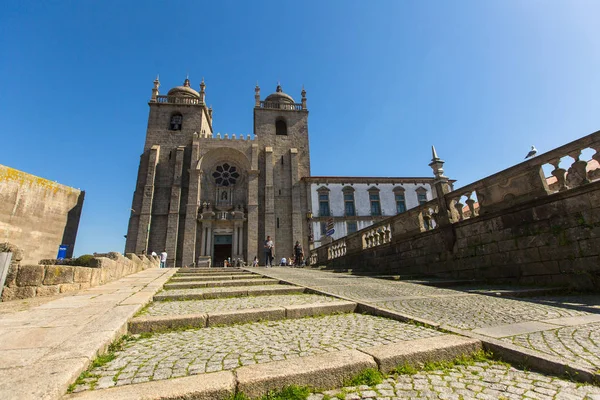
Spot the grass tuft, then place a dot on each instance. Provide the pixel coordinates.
(369, 377)
(292, 392)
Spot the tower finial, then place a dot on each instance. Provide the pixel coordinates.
(154, 97)
(303, 93)
(434, 153)
(437, 165)
(257, 95)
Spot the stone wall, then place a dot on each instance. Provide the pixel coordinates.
(513, 228)
(30, 280)
(38, 215)
(553, 241)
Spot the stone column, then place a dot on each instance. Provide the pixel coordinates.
(252, 239)
(173, 218)
(191, 212)
(269, 196)
(145, 211)
(441, 186)
(297, 217)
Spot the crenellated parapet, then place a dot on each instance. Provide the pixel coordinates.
(226, 136)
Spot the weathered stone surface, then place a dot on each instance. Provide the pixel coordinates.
(16, 292)
(215, 386)
(69, 287)
(30, 275)
(56, 274)
(48, 290)
(243, 316)
(419, 351)
(163, 323)
(82, 274)
(325, 371)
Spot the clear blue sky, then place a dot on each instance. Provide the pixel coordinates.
(482, 80)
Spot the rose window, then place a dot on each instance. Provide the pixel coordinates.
(226, 175)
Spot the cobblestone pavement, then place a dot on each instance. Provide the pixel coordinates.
(484, 380)
(232, 304)
(176, 354)
(573, 344)
(580, 344)
(477, 311)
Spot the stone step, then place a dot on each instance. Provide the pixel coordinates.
(169, 322)
(211, 271)
(194, 277)
(261, 356)
(237, 282)
(221, 292)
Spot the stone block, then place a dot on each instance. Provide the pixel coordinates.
(557, 252)
(164, 323)
(418, 352)
(96, 277)
(16, 292)
(325, 371)
(311, 310)
(30, 275)
(11, 276)
(525, 255)
(244, 316)
(82, 274)
(56, 274)
(69, 287)
(540, 268)
(576, 204)
(507, 245)
(589, 247)
(47, 290)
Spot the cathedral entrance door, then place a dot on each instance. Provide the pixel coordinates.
(222, 249)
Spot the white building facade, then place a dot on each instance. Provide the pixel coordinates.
(345, 205)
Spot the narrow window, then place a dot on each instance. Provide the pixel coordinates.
(375, 203)
(176, 122)
(421, 195)
(349, 208)
(351, 227)
(280, 127)
(277, 223)
(324, 205)
(400, 203)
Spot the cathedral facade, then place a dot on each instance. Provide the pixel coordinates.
(201, 196)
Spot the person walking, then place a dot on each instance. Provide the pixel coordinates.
(298, 254)
(163, 259)
(269, 245)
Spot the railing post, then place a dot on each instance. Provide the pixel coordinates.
(442, 188)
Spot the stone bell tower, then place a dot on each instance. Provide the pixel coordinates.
(281, 129)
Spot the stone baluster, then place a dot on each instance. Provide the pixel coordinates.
(426, 220)
(559, 174)
(578, 171)
(471, 204)
(388, 234)
(459, 208)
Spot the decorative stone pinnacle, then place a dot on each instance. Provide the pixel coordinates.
(186, 83)
(437, 165)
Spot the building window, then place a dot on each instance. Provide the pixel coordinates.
(375, 203)
(351, 227)
(225, 175)
(323, 228)
(324, 205)
(349, 209)
(280, 127)
(176, 122)
(421, 195)
(400, 203)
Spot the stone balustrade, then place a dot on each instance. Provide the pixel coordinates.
(178, 100)
(281, 106)
(338, 250)
(516, 185)
(226, 136)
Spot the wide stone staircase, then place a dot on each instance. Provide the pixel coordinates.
(216, 333)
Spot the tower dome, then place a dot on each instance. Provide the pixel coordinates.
(280, 97)
(184, 91)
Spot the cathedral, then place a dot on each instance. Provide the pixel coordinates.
(201, 196)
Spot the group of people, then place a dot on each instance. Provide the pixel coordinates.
(296, 260)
